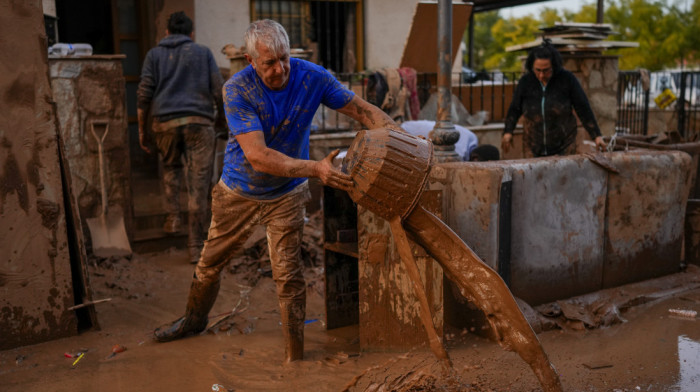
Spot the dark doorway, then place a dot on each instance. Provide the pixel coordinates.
(89, 22)
(330, 22)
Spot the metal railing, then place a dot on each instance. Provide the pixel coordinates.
(632, 104)
(635, 98)
(688, 105)
(483, 91)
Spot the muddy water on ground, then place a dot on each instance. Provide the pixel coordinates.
(652, 350)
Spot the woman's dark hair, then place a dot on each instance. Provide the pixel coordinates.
(179, 23)
(546, 51)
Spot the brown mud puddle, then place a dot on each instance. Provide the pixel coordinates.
(652, 350)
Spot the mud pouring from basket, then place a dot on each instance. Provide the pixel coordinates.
(390, 170)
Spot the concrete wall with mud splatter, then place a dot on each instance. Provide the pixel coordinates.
(35, 277)
(574, 227)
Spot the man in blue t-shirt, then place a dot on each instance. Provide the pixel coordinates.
(269, 107)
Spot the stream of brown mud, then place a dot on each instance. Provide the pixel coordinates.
(485, 289)
(390, 171)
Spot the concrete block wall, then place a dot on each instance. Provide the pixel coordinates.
(572, 227)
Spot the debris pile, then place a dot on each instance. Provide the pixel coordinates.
(606, 307)
(662, 141)
(254, 261)
(576, 38)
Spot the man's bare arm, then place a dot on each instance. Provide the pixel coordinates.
(267, 160)
(370, 116)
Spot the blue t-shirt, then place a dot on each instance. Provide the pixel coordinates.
(283, 116)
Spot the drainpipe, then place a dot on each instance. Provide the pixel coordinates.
(444, 136)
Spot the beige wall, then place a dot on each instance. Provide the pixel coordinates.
(220, 22)
(387, 24)
(391, 22)
(49, 7)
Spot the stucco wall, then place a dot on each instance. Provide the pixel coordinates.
(386, 29)
(387, 24)
(220, 22)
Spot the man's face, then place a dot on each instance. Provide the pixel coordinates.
(272, 68)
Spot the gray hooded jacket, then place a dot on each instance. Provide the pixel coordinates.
(179, 78)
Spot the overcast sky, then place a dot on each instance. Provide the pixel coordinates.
(572, 5)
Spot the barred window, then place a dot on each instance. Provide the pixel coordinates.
(328, 29)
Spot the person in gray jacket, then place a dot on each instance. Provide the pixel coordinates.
(180, 89)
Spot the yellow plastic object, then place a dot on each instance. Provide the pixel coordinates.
(665, 98)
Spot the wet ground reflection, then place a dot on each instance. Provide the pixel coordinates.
(689, 364)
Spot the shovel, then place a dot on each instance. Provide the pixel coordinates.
(107, 230)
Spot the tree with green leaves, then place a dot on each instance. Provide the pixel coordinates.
(668, 33)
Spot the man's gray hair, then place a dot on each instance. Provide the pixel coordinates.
(269, 33)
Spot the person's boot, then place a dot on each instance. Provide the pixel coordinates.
(199, 303)
(293, 314)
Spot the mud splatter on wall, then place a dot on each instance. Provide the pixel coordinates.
(35, 277)
(387, 299)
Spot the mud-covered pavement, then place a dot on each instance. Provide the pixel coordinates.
(651, 351)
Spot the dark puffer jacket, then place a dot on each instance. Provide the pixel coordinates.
(179, 78)
(549, 124)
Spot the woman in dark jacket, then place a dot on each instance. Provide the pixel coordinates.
(546, 97)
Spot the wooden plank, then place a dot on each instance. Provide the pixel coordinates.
(76, 240)
(577, 44)
(577, 35)
(575, 24)
(421, 51)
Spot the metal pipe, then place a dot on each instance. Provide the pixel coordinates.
(444, 57)
(444, 136)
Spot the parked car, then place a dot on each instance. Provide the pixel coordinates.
(470, 76)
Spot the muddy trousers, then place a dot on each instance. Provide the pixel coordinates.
(233, 219)
(193, 143)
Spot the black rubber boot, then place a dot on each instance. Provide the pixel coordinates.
(293, 314)
(199, 303)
